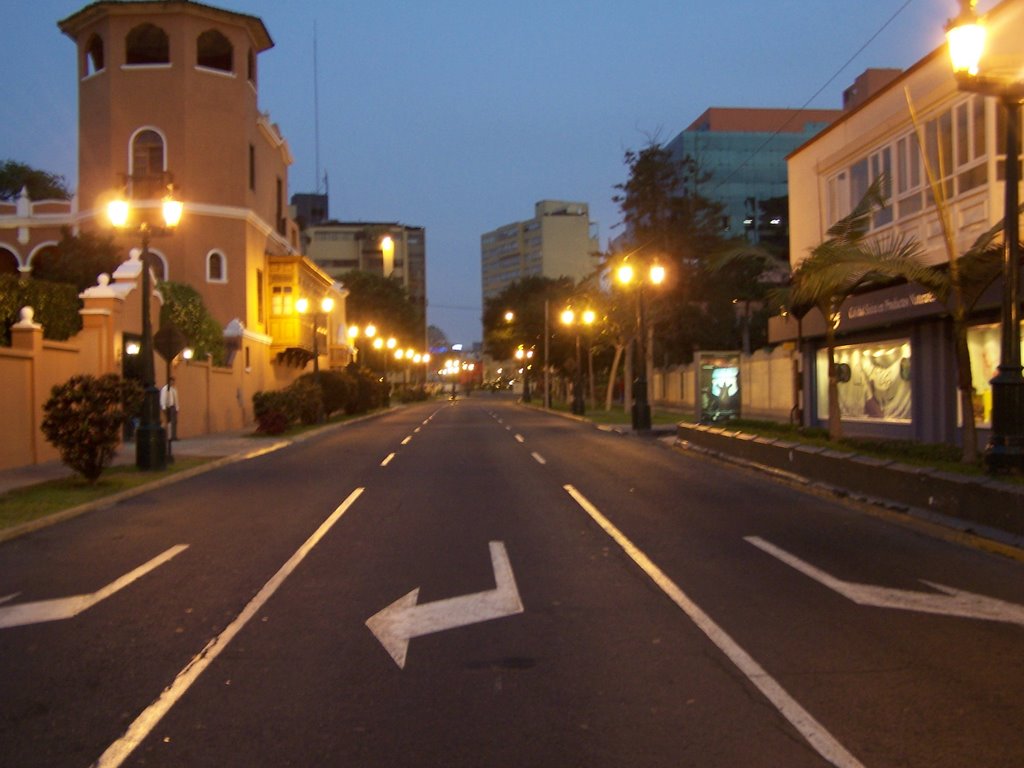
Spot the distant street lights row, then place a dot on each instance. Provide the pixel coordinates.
(628, 274)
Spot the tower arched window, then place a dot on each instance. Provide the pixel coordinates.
(147, 44)
(216, 267)
(94, 61)
(148, 164)
(214, 51)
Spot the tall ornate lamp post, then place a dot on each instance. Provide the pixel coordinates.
(326, 306)
(966, 37)
(524, 356)
(585, 318)
(150, 437)
(627, 276)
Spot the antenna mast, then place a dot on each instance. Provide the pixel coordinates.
(316, 110)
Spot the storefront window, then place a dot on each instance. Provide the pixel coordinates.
(983, 343)
(874, 381)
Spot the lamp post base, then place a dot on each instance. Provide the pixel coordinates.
(641, 407)
(1005, 450)
(151, 447)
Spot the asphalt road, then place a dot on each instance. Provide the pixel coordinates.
(561, 596)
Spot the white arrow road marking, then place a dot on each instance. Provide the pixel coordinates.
(67, 607)
(814, 732)
(954, 602)
(403, 620)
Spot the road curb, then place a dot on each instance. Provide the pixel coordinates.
(14, 532)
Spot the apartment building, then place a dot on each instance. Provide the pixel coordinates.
(559, 241)
(386, 249)
(743, 150)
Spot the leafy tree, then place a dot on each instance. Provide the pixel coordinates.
(437, 338)
(525, 300)
(184, 307)
(667, 216)
(83, 420)
(40, 185)
(56, 307)
(383, 301)
(79, 259)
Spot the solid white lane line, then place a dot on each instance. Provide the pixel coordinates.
(814, 732)
(387, 459)
(144, 724)
(538, 458)
(520, 439)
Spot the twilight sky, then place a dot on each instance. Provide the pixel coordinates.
(458, 115)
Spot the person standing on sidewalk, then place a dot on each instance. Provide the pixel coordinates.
(169, 405)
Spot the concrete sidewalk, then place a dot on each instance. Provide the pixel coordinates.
(211, 446)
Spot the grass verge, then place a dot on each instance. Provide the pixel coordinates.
(23, 505)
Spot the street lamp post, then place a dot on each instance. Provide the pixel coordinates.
(150, 437)
(524, 356)
(326, 305)
(586, 318)
(625, 274)
(966, 37)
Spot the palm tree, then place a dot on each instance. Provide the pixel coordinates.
(846, 262)
(960, 286)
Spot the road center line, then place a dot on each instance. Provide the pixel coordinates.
(814, 732)
(144, 724)
(387, 459)
(538, 458)
(407, 440)
(520, 439)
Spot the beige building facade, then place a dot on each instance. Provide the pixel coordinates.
(559, 241)
(895, 349)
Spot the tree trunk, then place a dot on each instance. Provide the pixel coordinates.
(835, 424)
(629, 363)
(965, 387)
(649, 365)
(612, 374)
(591, 383)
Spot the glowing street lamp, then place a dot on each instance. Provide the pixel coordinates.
(524, 356)
(626, 275)
(586, 318)
(150, 437)
(966, 37)
(326, 306)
